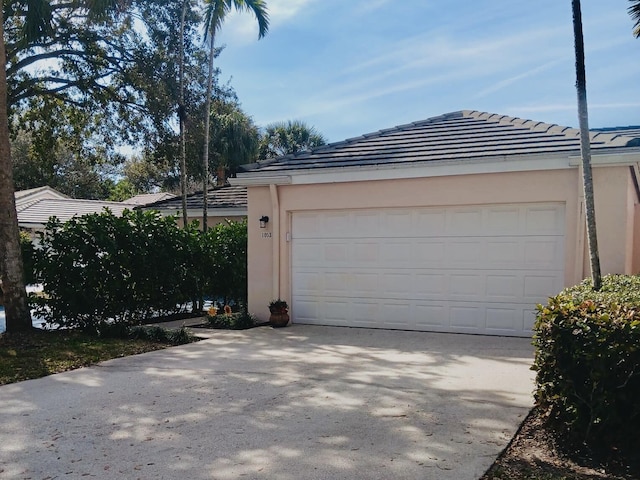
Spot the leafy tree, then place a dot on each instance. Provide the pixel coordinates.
(634, 11)
(284, 138)
(585, 146)
(64, 146)
(40, 30)
(215, 13)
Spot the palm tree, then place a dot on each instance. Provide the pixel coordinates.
(182, 115)
(215, 13)
(37, 27)
(284, 138)
(634, 11)
(585, 145)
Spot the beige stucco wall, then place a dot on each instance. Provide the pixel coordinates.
(616, 212)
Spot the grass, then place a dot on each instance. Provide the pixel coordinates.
(39, 353)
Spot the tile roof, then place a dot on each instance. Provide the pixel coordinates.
(147, 198)
(40, 190)
(217, 197)
(459, 135)
(39, 212)
(24, 198)
(631, 131)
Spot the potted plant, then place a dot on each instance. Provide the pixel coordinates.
(279, 313)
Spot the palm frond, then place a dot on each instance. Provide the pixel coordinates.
(634, 11)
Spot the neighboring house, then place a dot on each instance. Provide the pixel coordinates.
(147, 198)
(459, 223)
(223, 203)
(36, 206)
(26, 197)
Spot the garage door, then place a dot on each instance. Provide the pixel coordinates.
(477, 269)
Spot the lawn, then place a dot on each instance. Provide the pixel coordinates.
(40, 353)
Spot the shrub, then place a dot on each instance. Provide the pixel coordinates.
(588, 360)
(101, 268)
(28, 253)
(232, 321)
(180, 336)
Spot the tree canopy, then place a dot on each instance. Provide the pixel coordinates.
(284, 138)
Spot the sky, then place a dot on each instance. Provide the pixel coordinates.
(350, 67)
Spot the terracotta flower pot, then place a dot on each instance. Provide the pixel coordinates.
(278, 320)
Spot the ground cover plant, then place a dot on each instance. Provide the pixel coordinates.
(39, 353)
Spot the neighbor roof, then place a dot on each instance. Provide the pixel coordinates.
(39, 212)
(24, 198)
(631, 131)
(454, 136)
(147, 198)
(217, 198)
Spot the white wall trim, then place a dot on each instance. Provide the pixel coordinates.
(410, 170)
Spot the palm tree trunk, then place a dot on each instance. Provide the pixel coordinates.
(207, 132)
(17, 314)
(585, 146)
(182, 114)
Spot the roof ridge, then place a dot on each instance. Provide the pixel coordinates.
(610, 139)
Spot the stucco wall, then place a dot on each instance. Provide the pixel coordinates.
(269, 275)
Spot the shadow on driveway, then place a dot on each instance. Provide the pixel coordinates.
(305, 402)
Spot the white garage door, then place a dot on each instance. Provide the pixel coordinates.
(476, 269)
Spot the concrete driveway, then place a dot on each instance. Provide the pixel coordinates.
(302, 402)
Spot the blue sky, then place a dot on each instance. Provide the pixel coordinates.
(349, 67)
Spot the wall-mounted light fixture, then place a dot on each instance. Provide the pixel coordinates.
(263, 221)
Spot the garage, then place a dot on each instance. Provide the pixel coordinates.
(468, 269)
(461, 223)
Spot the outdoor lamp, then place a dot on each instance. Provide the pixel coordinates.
(263, 221)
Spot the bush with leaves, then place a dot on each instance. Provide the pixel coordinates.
(588, 360)
(101, 268)
(224, 262)
(232, 321)
(104, 268)
(28, 252)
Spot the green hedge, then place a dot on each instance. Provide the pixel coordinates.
(588, 360)
(126, 269)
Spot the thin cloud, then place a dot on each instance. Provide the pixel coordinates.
(516, 78)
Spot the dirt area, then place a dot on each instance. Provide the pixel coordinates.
(535, 453)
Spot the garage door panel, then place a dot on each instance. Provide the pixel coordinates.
(431, 284)
(538, 286)
(466, 317)
(431, 222)
(543, 220)
(466, 286)
(432, 315)
(504, 221)
(396, 252)
(542, 253)
(464, 253)
(308, 283)
(307, 310)
(429, 253)
(462, 222)
(501, 286)
(366, 253)
(478, 269)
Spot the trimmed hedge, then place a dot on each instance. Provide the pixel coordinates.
(127, 269)
(588, 360)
